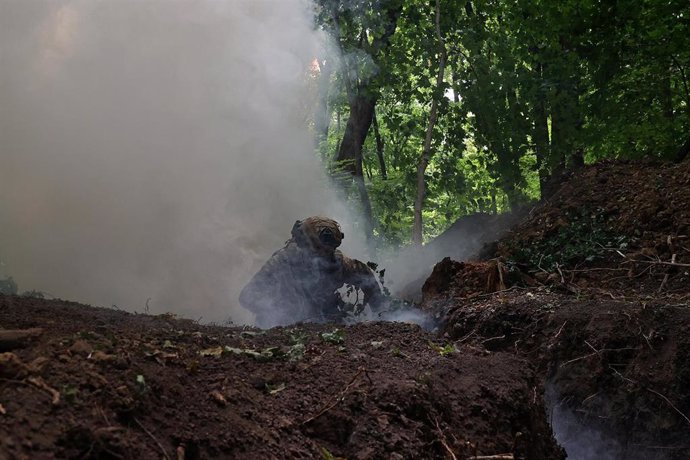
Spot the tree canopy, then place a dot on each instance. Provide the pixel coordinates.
(437, 109)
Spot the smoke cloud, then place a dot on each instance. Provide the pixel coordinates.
(155, 149)
(580, 440)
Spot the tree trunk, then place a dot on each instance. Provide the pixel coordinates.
(379, 148)
(418, 226)
(356, 129)
(349, 157)
(686, 84)
(541, 130)
(682, 153)
(566, 119)
(666, 94)
(566, 123)
(362, 100)
(322, 116)
(366, 210)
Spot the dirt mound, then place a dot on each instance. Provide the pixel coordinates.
(617, 226)
(99, 383)
(464, 279)
(471, 237)
(596, 286)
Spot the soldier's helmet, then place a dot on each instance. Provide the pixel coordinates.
(319, 234)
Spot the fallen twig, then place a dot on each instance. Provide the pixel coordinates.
(661, 262)
(39, 383)
(588, 398)
(668, 401)
(474, 331)
(442, 438)
(494, 457)
(339, 398)
(600, 269)
(595, 353)
(622, 376)
(670, 404)
(611, 295)
(665, 280)
(499, 267)
(494, 338)
(101, 412)
(579, 359)
(558, 268)
(647, 338)
(160, 446)
(489, 294)
(648, 269)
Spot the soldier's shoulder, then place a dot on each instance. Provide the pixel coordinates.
(355, 265)
(278, 255)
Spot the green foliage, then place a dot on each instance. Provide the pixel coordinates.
(298, 340)
(336, 337)
(140, 385)
(297, 336)
(327, 455)
(586, 238)
(531, 88)
(267, 354)
(70, 393)
(443, 350)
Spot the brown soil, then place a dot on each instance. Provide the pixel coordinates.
(606, 320)
(100, 383)
(631, 220)
(616, 368)
(590, 336)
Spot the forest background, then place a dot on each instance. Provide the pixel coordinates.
(443, 108)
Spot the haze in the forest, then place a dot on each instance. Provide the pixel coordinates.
(154, 150)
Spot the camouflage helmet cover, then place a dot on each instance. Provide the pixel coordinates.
(320, 234)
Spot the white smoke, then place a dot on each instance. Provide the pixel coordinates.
(606, 439)
(580, 440)
(155, 149)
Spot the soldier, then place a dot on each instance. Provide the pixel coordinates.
(299, 282)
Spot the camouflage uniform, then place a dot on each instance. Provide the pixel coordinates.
(299, 282)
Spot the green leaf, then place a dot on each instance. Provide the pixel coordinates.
(215, 351)
(275, 389)
(336, 337)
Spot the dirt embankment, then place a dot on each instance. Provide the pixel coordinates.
(594, 288)
(99, 383)
(617, 372)
(618, 228)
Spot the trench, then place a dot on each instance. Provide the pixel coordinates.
(615, 374)
(579, 439)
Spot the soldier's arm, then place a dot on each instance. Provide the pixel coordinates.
(360, 275)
